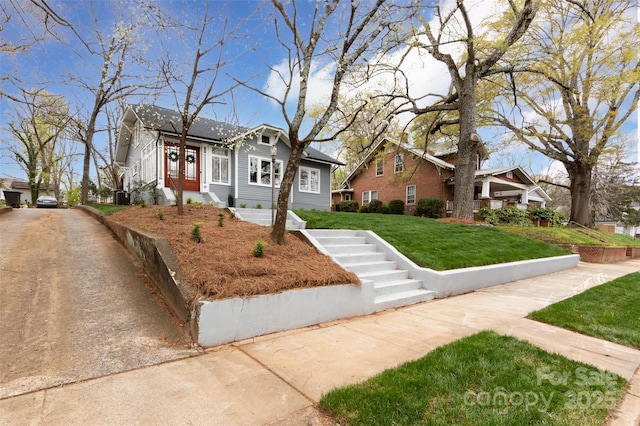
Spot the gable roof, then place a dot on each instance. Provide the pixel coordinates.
(167, 121)
(381, 144)
(502, 170)
(164, 120)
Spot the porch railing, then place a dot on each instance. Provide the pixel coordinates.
(449, 205)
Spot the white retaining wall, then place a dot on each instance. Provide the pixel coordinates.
(230, 320)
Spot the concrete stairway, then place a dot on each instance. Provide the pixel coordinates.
(393, 287)
(263, 217)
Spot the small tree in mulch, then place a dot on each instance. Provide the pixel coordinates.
(258, 249)
(195, 232)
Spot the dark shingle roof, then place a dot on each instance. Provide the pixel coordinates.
(169, 121)
(314, 154)
(164, 119)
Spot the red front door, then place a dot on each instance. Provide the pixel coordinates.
(191, 167)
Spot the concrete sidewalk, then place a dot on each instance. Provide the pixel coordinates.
(277, 379)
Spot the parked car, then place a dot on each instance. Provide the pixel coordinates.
(46, 201)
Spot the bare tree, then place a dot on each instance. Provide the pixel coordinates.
(120, 68)
(478, 57)
(332, 33)
(578, 88)
(200, 86)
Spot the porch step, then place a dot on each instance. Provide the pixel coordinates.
(263, 217)
(392, 286)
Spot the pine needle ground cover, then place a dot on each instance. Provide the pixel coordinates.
(610, 311)
(484, 379)
(221, 263)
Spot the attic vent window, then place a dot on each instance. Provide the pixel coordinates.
(509, 175)
(265, 140)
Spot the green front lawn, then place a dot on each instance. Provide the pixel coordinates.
(107, 209)
(437, 245)
(564, 235)
(610, 311)
(484, 379)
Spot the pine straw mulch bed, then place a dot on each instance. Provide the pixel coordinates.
(222, 265)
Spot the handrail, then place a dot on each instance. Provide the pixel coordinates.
(589, 232)
(172, 186)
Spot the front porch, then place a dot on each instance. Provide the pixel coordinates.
(492, 204)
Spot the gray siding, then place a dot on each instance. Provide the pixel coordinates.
(251, 194)
(307, 200)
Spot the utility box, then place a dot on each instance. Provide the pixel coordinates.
(121, 198)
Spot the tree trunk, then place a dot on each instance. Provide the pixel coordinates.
(467, 150)
(86, 165)
(279, 226)
(580, 177)
(181, 161)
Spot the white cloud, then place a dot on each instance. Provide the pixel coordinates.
(319, 87)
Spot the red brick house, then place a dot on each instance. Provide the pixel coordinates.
(395, 172)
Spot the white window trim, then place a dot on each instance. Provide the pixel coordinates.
(263, 143)
(381, 161)
(228, 157)
(259, 183)
(395, 163)
(309, 170)
(406, 197)
(369, 193)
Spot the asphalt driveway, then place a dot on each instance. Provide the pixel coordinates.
(74, 305)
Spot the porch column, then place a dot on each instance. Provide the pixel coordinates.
(524, 197)
(486, 186)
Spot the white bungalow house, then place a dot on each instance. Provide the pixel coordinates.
(224, 164)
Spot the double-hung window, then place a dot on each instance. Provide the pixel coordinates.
(309, 180)
(368, 196)
(260, 171)
(411, 194)
(220, 165)
(380, 167)
(148, 162)
(398, 163)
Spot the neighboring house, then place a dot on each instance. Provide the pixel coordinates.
(224, 164)
(395, 172)
(17, 191)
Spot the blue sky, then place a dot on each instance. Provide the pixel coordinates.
(45, 63)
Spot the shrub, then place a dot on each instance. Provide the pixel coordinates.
(429, 207)
(258, 249)
(195, 232)
(350, 206)
(396, 207)
(143, 203)
(243, 205)
(258, 206)
(487, 214)
(385, 209)
(221, 219)
(364, 208)
(230, 200)
(555, 218)
(160, 214)
(375, 206)
(513, 216)
(189, 200)
(510, 216)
